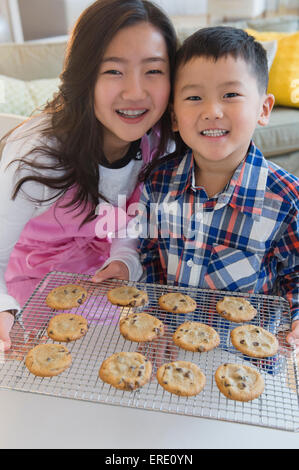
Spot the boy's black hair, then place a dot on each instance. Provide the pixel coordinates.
(220, 41)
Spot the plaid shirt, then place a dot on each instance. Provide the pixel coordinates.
(243, 239)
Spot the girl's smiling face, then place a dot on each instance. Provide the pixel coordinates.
(217, 105)
(133, 86)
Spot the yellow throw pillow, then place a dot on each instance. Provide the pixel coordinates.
(284, 72)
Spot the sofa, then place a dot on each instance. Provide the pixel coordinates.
(29, 75)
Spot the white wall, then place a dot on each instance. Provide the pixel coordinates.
(183, 7)
(42, 18)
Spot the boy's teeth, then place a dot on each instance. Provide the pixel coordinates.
(131, 112)
(214, 132)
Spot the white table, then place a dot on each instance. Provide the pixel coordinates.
(32, 421)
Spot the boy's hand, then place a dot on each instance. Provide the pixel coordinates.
(114, 270)
(6, 323)
(293, 336)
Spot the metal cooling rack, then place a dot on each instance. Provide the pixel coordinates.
(276, 408)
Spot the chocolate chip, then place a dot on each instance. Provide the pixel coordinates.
(240, 308)
(242, 341)
(255, 343)
(241, 385)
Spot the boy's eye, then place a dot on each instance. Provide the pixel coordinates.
(231, 95)
(193, 98)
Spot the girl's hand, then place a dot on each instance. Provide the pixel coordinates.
(6, 323)
(114, 270)
(293, 336)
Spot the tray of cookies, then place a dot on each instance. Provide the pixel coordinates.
(198, 352)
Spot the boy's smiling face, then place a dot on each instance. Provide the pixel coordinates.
(217, 105)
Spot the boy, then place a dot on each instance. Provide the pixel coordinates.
(218, 215)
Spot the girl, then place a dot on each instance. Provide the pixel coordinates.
(63, 171)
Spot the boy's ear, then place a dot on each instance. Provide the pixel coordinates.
(267, 106)
(173, 119)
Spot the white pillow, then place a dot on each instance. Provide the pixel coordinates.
(271, 48)
(23, 98)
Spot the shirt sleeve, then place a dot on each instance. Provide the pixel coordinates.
(288, 263)
(15, 213)
(148, 244)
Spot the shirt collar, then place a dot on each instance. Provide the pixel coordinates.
(245, 191)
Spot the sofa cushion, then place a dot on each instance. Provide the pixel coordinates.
(24, 97)
(31, 61)
(284, 23)
(281, 135)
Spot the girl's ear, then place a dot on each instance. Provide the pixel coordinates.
(267, 106)
(173, 119)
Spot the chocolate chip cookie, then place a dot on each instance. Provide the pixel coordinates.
(239, 382)
(195, 336)
(65, 297)
(141, 327)
(127, 296)
(47, 360)
(254, 341)
(181, 378)
(177, 303)
(67, 327)
(126, 370)
(236, 309)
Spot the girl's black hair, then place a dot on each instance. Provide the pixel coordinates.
(73, 125)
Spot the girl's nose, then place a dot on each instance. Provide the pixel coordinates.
(134, 88)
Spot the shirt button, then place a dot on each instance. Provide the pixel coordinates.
(190, 263)
(199, 216)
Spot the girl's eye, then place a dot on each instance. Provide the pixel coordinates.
(112, 72)
(231, 95)
(154, 72)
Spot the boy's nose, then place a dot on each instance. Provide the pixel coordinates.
(212, 111)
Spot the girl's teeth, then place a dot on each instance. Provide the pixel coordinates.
(131, 112)
(214, 132)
